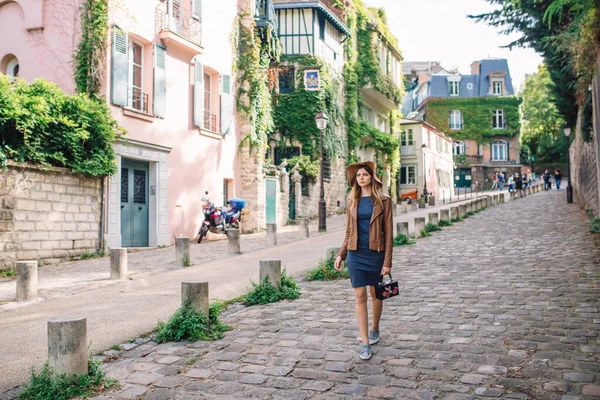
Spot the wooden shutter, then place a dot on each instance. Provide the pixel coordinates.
(159, 103)
(198, 94)
(120, 67)
(226, 104)
(197, 9)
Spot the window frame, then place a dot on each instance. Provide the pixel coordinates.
(501, 146)
(456, 86)
(498, 121)
(500, 86)
(407, 138)
(406, 170)
(131, 66)
(459, 144)
(456, 114)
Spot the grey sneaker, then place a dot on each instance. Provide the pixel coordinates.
(366, 352)
(373, 336)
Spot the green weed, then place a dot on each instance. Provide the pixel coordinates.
(326, 272)
(424, 233)
(432, 228)
(115, 347)
(266, 292)
(470, 213)
(189, 324)
(401, 240)
(595, 225)
(444, 222)
(11, 273)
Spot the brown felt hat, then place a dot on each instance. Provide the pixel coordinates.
(353, 168)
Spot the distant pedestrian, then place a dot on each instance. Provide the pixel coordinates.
(500, 181)
(367, 247)
(525, 184)
(557, 178)
(511, 184)
(519, 185)
(494, 180)
(546, 177)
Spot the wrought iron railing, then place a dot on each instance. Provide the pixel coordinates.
(264, 13)
(137, 99)
(407, 151)
(169, 15)
(474, 159)
(210, 121)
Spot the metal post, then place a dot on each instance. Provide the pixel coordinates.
(569, 187)
(322, 204)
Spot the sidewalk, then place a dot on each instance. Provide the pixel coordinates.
(112, 309)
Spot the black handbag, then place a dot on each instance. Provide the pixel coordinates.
(386, 289)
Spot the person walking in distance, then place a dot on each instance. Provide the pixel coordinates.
(519, 184)
(525, 184)
(557, 178)
(494, 181)
(500, 181)
(546, 177)
(367, 246)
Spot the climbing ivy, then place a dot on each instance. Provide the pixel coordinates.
(91, 50)
(477, 114)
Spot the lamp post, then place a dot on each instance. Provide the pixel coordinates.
(321, 120)
(425, 194)
(567, 131)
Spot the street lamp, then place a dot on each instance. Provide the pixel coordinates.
(567, 131)
(321, 119)
(423, 147)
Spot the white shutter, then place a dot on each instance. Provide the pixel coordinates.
(226, 104)
(120, 67)
(159, 99)
(198, 94)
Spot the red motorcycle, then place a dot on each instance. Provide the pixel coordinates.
(218, 221)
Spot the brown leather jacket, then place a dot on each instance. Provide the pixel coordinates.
(380, 231)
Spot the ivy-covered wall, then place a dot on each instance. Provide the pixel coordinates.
(477, 115)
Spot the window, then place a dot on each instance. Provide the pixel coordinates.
(458, 147)
(137, 99)
(369, 116)
(455, 119)
(407, 174)
(497, 88)
(498, 120)
(453, 88)
(381, 123)
(210, 119)
(499, 150)
(286, 80)
(12, 67)
(322, 26)
(406, 138)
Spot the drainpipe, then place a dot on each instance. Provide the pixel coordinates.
(102, 215)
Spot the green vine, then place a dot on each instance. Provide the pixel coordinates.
(90, 54)
(477, 114)
(306, 167)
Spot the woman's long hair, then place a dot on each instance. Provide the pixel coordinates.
(376, 190)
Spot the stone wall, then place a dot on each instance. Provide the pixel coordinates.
(47, 215)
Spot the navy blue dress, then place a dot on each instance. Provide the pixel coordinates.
(364, 264)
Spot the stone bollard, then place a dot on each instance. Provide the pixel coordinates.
(331, 253)
(501, 198)
(453, 213)
(468, 207)
(419, 226)
(402, 228)
(195, 293)
(394, 210)
(462, 210)
(488, 200)
(404, 207)
(182, 251)
(303, 226)
(68, 345)
(495, 200)
(474, 205)
(27, 280)
(432, 201)
(271, 269)
(433, 218)
(422, 203)
(233, 239)
(512, 195)
(118, 264)
(413, 205)
(528, 189)
(271, 234)
(445, 215)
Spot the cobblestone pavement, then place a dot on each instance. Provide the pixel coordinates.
(502, 305)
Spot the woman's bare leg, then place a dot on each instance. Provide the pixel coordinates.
(376, 309)
(362, 316)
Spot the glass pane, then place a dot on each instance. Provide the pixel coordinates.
(137, 76)
(411, 175)
(139, 186)
(403, 176)
(124, 185)
(137, 54)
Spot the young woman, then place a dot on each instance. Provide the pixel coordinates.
(367, 247)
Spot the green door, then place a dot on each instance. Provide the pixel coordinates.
(292, 202)
(462, 177)
(134, 203)
(271, 201)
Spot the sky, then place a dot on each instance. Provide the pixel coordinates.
(439, 30)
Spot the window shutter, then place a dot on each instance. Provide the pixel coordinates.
(198, 9)
(198, 94)
(120, 67)
(226, 104)
(160, 81)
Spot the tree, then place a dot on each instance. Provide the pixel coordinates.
(542, 122)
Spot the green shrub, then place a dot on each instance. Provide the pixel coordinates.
(189, 324)
(401, 240)
(266, 292)
(432, 228)
(595, 225)
(470, 213)
(483, 208)
(49, 385)
(444, 222)
(424, 233)
(11, 273)
(326, 272)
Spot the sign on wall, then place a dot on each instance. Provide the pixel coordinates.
(312, 80)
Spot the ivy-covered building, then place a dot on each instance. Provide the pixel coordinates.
(479, 111)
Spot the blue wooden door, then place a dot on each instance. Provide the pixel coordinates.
(271, 201)
(134, 203)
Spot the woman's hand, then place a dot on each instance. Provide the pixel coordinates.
(386, 271)
(338, 263)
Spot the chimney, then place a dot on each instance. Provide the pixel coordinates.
(475, 67)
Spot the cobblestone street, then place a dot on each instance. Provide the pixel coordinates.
(502, 305)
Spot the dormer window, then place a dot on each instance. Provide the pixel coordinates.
(497, 88)
(453, 88)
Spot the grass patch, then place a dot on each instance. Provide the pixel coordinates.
(189, 324)
(401, 240)
(483, 208)
(459, 219)
(49, 385)
(191, 361)
(115, 347)
(266, 292)
(444, 222)
(186, 260)
(424, 233)
(11, 273)
(595, 225)
(470, 213)
(432, 228)
(326, 272)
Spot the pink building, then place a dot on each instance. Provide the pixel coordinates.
(167, 77)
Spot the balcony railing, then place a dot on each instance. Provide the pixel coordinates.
(408, 151)
(264, 14)
(210, 121)
(474, 159)
(137, 99)
(172, 17)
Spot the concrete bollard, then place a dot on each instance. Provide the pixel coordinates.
(501, 198)
(433, 218)
(182, 251)
(474, 205)
(488, 200)
(404, 207)
(394, 210)
(462, 210)
(402, 228)
(495, 200)
(445, 215)
(195, 293)
(271, 269)
(432, 201)
(419, 226)
(68, 345)
(453, 213)
(422, 203)
(331, 253)
(413, 205)
(271, 234)
(118, 264)
(468, 207)
(528, 189)
(303, 226)
(27, 280)
(233, 239)
(512, 195)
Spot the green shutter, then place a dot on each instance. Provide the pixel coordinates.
(159, 103)
(226, 104)
(198, 9)
(120, 67)
(198, 94)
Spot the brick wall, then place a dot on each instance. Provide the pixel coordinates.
(47, 215)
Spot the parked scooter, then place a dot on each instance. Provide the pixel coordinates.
(217, 220)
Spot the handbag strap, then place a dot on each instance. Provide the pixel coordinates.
(383, 276)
